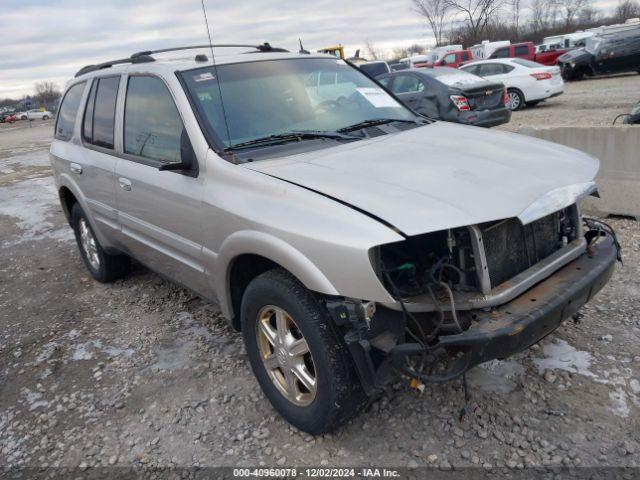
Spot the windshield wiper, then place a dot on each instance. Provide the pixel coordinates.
(295, 136)
(372, 122)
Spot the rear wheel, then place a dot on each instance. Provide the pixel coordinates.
(534, 103)
(303, 368)
(45, 117)
(102, 266)
(516, 99)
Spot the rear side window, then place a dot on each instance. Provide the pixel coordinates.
(488, 69)
(69, 111)
(522, 51)
(466, 56)
(152, 125)
(100, 113)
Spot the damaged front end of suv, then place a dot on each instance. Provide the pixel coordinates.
(471, 294)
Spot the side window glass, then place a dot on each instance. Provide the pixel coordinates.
(466, 56)
(87, 125)
(451, 58)
(522, 51)
(384, 81)
(489, 69)
(501, 53)
(407, 84)
(152, 125)
(68, 112)
(507, 68)
(104, 112)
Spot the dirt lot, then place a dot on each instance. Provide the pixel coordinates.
(143, 373)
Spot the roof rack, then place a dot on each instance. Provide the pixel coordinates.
(145, 56)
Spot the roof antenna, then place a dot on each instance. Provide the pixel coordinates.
(215, 69)
(302, 51)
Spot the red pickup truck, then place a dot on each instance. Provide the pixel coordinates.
(527, 50)
(453, 59)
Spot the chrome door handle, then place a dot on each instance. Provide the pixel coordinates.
(124, 183)
(75, 168)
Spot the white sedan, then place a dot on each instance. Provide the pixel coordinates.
(527, 82)
(35, 114)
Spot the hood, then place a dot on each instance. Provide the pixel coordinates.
(577, 55)
(442, 176)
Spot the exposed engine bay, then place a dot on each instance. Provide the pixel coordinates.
(471, 294)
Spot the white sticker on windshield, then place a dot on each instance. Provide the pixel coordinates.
(377, 97)
(203, 77)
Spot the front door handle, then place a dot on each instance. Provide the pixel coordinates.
(124, 183)
(75, 168)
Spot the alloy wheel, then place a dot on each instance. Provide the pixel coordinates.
(286, 356)
(89, 244)
(514, 100)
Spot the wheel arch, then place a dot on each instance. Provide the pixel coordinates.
(245, 255)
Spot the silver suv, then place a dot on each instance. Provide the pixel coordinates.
(347, 237)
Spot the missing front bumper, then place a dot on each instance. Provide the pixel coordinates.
(520, 323)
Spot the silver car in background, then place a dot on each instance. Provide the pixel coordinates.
(346, 236)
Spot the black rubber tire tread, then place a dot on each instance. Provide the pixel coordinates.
(112, 267)
(339, 395)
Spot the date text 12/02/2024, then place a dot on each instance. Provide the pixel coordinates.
(316, 472)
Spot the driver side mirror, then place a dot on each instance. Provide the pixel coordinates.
(188, 163)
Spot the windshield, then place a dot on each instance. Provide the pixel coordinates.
(273, 97)
(592, 45)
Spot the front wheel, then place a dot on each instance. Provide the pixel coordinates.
(45, 117)
(516, 99)
(301, 365)
(102, 266)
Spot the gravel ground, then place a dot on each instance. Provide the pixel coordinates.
(142, 373)
(594, 101)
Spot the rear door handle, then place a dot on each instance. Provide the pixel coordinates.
(75, 168)
(124, 183)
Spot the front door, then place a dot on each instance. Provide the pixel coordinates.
(159, 211)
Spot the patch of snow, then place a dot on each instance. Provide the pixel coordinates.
(619, 400)
(562, 356)
(31, 202)
(47, 351)
(34, 399)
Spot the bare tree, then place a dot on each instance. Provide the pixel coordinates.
(627, 9)
(435, 13)
(588, 16)
(47, 93)
(571, 9)
(370, 48)
(543, 15)
(516, 9)
(477, 14)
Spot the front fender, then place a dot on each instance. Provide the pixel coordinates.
(268, 246)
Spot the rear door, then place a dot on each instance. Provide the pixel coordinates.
(159, 211)
(95, 169)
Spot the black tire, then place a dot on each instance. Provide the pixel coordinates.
(110, 267)
(339, 395)
(516, 99)
(534, 103)
(45, 117)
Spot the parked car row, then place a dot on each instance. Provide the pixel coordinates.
(34, 114)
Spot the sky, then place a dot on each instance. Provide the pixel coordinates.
(52, 39)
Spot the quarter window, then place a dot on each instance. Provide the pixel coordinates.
(152, 125)
(100, 113)
(68, 112)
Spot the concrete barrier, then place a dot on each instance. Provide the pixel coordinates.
(618, 148)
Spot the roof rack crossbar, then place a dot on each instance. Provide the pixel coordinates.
(145, 56)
